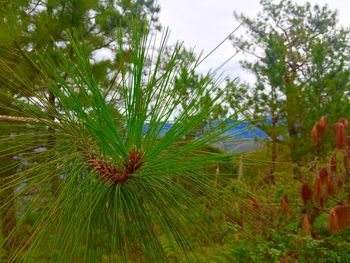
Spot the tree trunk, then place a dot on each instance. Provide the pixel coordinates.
(292, 120)
(271, 178)
(293, 148)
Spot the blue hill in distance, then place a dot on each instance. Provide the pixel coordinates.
(243, 133)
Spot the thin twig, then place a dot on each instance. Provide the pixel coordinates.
(215, 48)
(6, 118)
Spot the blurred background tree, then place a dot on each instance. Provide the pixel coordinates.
(299, 61)
(34, 27)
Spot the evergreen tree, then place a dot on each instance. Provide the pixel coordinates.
(117, 194)
(300, 66)
(38, 28)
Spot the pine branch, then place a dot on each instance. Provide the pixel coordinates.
(6, 118)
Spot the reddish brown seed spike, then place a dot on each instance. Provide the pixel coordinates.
(333, 221)
(323, 174)
(318, 188)
(108, 172)
(343, 213)
(134, 161)
(306, 226)
(334, 163)
(323, 123)
(315, 135)
(320, 129)
(133, 154)
(254, 203)
(306, 192)
(330, 188)
(341, 137)
(339, 218)
(284, 205)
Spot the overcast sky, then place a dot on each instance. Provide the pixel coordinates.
(205, 23)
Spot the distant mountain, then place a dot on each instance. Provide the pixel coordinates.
(245, 136)
(244, 130)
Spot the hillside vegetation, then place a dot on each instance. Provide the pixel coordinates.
(140, 158)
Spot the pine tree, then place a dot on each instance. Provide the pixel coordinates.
(37, 27)
(300, 67)
(116, 195)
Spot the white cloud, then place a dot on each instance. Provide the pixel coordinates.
(205, 23)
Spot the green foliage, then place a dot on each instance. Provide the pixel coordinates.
(29, 25)
(87, 174)
(300, 68)
(114, 187)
